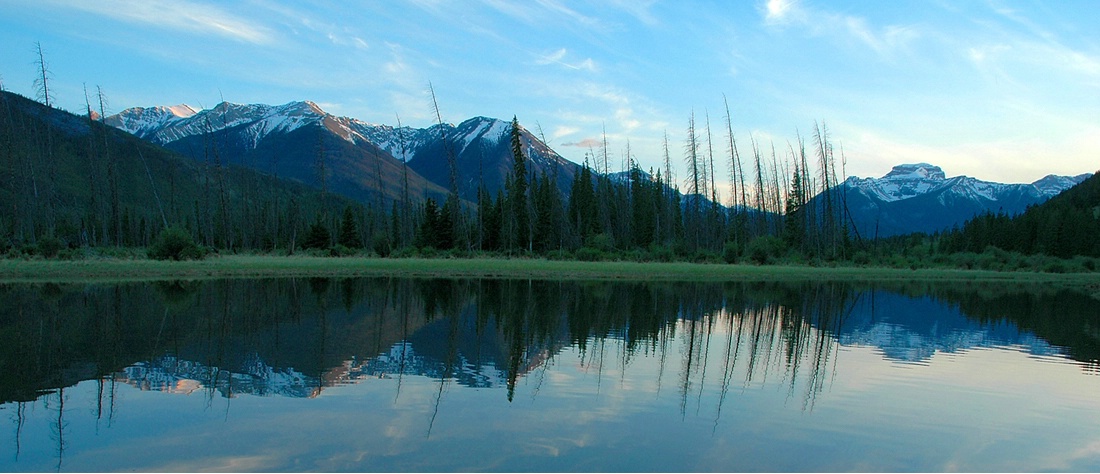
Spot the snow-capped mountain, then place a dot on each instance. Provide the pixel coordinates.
(404, 142)
(165, 125)
(921, 198)
(282, 140)
(481, 147)
(364, 157)
(146, 121)
(912, 180)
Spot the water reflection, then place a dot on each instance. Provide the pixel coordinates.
(294, 337)
(297, 338)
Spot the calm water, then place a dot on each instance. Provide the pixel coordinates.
(480, 375)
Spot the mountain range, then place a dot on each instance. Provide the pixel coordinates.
(368, 161)
(364, 161)
(921, 198)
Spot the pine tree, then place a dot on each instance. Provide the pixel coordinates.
(349, 231)
(318, 236)
(429, 226)
(794, 229)
(582, 210)
(518, 191)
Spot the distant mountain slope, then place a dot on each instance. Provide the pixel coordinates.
(89, 183)
(920, 198)
(482, 151)
(286, 140)
(364, 160)
(1065, 226)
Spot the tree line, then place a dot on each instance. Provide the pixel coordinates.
(72, 182)
(645, 212)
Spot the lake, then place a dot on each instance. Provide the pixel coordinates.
(383, 374)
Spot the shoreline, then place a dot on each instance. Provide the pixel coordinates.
(255, 266)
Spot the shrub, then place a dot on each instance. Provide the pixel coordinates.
(380, 243)
(559, 255)
(404, 252)
(49, 246)
(341, 251)
(589, 254)
(1055, 266)
(765, 249)
(71, 254)
(661, 253)
(635, 255)
(175, 243)
(730, 252)
(429, 252)
(318, 237)
(602, 242)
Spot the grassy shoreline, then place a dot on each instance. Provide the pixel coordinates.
(250, 266)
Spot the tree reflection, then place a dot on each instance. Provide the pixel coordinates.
(296, 337)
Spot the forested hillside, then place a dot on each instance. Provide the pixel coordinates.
(76, 182)
(1065, 226)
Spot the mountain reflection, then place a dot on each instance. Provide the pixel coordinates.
(297, 337)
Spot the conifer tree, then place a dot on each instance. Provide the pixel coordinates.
(349, 231)
(582, 204)
(518, 191)
(429, 226)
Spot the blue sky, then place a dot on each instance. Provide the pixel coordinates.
(1003, 91)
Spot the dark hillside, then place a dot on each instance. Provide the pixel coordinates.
(68, 177)
(359, 171)
(1065, 226)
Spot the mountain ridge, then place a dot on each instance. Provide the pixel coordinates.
(919, 197)
(372, 160)
(479, 145)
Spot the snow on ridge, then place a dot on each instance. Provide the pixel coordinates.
(486, 128)
(916, 171)
(141, 121)
(181, 110)
(912, 180)
(473, 135)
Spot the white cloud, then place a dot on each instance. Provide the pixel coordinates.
(883, 41)
(558, 57)
(588, 142)
(181, 16)
(639, 9)
(564, 131)
(551, 58)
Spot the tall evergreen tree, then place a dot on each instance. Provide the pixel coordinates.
(582, 204)
(349, 231)
(517, 195)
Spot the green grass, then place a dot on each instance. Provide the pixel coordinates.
(241, 266)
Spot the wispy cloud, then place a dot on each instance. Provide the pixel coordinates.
(589, 142)
(564, 131)
(182, 16)
(558, 57)
(883, 41)
(556, 7)
(641, 10)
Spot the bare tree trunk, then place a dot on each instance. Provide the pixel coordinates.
(406, 231)
(458, 225)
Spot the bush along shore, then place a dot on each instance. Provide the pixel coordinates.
(197, 263)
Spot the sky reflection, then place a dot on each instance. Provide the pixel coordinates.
(723, 379)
